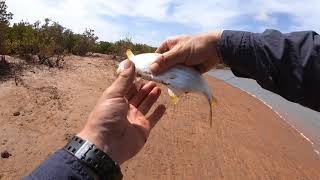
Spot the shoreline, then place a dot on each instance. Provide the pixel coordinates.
(283, 118)
(303, 128)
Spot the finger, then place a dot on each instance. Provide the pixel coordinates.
(163, 47)
(156, 115)
(205, 66)
(165, 61)
(132, 92)
(122, 84)
(147, 103)
(168, 44)
(142, 94)
(134, 89)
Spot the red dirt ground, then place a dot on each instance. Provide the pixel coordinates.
(247, 140)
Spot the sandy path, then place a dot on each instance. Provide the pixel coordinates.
(247, 140)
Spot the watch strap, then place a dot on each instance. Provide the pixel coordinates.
(94, 158)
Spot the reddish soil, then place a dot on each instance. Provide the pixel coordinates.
(247, 140)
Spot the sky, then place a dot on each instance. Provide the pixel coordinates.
(152, 21)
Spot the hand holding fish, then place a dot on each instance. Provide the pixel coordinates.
(191, 50)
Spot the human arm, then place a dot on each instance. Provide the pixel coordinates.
(287, 64)
(118, 125)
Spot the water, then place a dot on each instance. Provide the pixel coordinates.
(303, 119)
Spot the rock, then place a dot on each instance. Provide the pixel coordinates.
(16, 113)
(5, 154)
(4, 142)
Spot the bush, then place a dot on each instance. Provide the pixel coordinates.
(84, 43)
(69, 40)
(5, 17)
(45, 42)
(104, 47)
(120, 47)
(49, 40)
(22, 39)
(142, 48)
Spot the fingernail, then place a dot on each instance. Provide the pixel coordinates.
(127, 64)
(158, 91)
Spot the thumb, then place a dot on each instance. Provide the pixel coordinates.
(165, 61)
(124, 81)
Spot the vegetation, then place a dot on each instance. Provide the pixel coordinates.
(48, 42)
(5, 18)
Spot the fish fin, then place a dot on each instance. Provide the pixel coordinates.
(129, 54)
(213, 103)
(174, 98)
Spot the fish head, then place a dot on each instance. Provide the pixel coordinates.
(142, 63)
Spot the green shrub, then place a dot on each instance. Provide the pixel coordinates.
(5, 17)
(50, 40)
(105, 47)
(119, 47)
(22, 39)
(84, 43)
(69, 41)
(142, 48)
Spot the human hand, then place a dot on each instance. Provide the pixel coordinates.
(192, 50)
(118, 124)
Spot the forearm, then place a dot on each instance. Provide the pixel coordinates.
(287, 64)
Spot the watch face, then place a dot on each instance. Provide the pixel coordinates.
(94, 158)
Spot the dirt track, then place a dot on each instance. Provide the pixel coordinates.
(247, 140)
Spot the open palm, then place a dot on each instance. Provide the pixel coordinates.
(118, 124)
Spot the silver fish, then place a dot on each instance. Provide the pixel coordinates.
(180, 79)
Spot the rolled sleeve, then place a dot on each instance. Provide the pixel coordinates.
(286, 64)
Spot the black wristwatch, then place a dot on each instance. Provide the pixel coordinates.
(97, 161)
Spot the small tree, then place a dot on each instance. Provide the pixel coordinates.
(5, 18)
(142, 48)
(69, 40)
(105, 47)
(22, 39)
(122, 45)
(50, 40)
(85, 43)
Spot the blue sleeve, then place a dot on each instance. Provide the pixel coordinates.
(286, 64)
(61, 165)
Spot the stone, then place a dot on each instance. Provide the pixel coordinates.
(16, 113)
(5, 154)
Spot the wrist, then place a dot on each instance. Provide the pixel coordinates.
(215, 37)
(96, 162)
(101, 143)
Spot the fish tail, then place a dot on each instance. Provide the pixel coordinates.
(212, 103)
(173, 96)
(129, 54)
